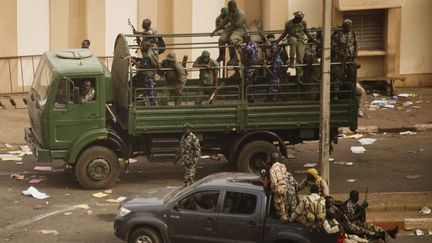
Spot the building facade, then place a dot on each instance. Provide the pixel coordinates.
(393, 34)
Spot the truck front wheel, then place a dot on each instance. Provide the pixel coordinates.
(252, 156)
(97, 168)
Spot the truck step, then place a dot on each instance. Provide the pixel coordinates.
(163, 157)
(161, 150)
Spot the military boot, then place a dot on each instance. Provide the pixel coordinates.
(221, 57)
(393, 232)
(233, 57)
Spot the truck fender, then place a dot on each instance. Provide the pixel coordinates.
(143, 221)
(260, 135)
(119, 143)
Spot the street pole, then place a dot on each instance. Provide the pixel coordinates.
(325, 92)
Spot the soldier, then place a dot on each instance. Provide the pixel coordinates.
(279, 186)
(249, 57)
(208, 75)
(232, 33)
(275, 70)
(313, 178)
(85, 44)
(312, 72)
(221, 17)
(311, 210)
(157, 42)
(296, 29)
(175, 78)
(145, 78)
(190, 152)
(88, 92)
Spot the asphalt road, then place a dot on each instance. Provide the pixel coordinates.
(383, 168)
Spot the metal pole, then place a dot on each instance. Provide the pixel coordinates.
(325, 93)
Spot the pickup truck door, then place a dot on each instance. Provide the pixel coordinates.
(240, 219)
(192, 219)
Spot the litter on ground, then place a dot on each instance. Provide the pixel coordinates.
(99, 194)
(42, 168)
(407, 133)
(309, 165)
(350, 180)
(412, 177)
(367, 141)
(425, 210)
(31, 191)
(49, 232)
(15, 176)
(358, 149)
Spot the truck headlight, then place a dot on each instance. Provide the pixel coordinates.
(121, 212)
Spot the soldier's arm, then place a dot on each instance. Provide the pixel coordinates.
(182, 76)
(325, 188)
(198, 63)
(216, 74)
(302, 184)
(284, 34)
(305, 30)
(221, 26)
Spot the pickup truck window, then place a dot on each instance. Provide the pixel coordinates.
(239, 203)
(203, 201)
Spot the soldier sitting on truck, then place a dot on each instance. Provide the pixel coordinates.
(313, 178)
(87, 91)
(208, 76)
(311, 210)
(175, 79)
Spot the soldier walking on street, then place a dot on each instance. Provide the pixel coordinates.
(296, 29)
(190, 152)
(175, 78)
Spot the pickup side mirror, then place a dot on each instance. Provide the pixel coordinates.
(176, 206)
(76, 95)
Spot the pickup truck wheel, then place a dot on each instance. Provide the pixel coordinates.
(144, 235)
(252, 156)
(97, 168)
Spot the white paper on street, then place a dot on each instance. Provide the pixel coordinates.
(358, 149)
(407, 133)
(367, 141)
(310, 165)
(31, 191)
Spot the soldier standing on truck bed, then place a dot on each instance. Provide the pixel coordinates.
(249, 57)
(175, 78)
(157, 42)
(208, 75)
(275, 71)
(190, 152)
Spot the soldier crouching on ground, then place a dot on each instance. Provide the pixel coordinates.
(190, 152)
(175, 79)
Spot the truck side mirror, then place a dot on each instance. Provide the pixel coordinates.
(76, 95)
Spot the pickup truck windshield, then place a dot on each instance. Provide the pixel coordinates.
(42, 82)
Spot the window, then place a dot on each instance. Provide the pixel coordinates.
(369, 26)
(239, 203)
(87, 87)
(205, 201)
(62, 95)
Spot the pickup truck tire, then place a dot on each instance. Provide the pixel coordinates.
(252, 156)
(97, 168)
(145, 234)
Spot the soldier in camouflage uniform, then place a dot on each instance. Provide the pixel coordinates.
(88, 92)
(156, 42)
(234, 26)
(175, 78)
(312, 71)
(313, 178)
(296, 29)
(190, 152)
(208, 75)
(249, 57)
(221, 17)
(279, 186)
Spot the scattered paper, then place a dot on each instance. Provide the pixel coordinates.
(412, 177)
(83, 206)
(42, 168)
(67, 213)
(99, 194)
(16, 177)
(31, 191)
(12, 158)
(331, 159)
(358, 149)
(425, 210)
(355, 136)
(388, 106)
(132, 161)
(49, 232)
(366, 141)
(416, 107)
(310, 165)
(19, 163)
(407, 133)
(350, 180)
(408, 103)
(108, 191)
(8, 145)
(25, 148)
(419, 232)
(205, 157)
(35, 180)
(343, 163)
(118, 200)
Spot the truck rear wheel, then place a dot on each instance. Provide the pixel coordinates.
(97, 168)
(252, 156)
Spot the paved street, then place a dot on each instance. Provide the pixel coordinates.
(392, 158)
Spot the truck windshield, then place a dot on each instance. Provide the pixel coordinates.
(42, 81)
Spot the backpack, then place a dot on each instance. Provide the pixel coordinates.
(315, 212)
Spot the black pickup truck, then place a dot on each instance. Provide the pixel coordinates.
(224, 207)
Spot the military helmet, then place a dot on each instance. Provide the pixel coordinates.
(224, 11)
(205, 54)
(171, 56)
(187, 125)
(299, 14)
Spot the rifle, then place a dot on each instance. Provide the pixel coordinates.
(363, 218)
(137, 39)
(213, 94)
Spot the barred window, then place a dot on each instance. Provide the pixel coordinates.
(369, 26)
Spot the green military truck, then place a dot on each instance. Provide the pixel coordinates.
(96, 138)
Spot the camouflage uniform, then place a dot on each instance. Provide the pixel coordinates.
(175, 80)
(300, 213)
(145, 78)
(323, 189)
(250, 57)
(89, 96)
(233, 31)
(190, 152)
(343, 50)
(356, 226)
(156, 42)
(292, 193)
(279, 187)
(206, 77)
(312, 74)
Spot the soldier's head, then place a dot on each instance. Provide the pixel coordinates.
(271, 37)
(232, 6)
(354, 196)
(146, 24)
(346, 26)
(85, 44)
(171, 57)
(330, 214)
(298, 16)
(312, 174)
(329, 201)
(87, 85)
(246, 38)
(314, 189)
(224, 11)
(145, 46)
(187, 128)
(205, 56)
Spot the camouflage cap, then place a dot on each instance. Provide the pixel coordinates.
(347, 22)
(171, 56)
(299, 14)
(224, 11)
(187, 125)
(205, 54)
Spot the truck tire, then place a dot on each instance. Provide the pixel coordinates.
(145, 234)
(97, 168)
(252, 156)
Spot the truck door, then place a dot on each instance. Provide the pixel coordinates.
(69, 119)
(240, 219)
(193, 218)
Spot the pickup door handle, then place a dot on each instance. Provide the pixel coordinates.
(174, 217)
(251, 223)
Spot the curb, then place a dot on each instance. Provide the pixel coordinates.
(376, 129)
